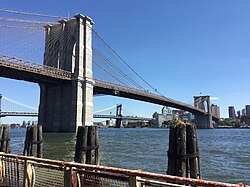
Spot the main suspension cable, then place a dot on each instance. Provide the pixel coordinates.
(30, 13)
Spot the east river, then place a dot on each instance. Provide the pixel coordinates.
(224, 153)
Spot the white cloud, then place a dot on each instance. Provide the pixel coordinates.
(236, 93)
(214, 98)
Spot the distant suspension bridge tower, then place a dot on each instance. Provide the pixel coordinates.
(203, 121)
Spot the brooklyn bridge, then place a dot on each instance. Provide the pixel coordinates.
(77, 64)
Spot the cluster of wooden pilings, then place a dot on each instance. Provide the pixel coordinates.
(33, 141)
(87, 145)
(183, 153)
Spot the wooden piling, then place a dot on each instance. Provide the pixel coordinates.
(81, 145)
(90, 157)
(172, 151)
(8, 140)
(33, 141)
(5, 138)
(26, 143)
(97, 158)
(193, 151)
(1, 136)
(86, 149)
(39, 141)
(30, 141)
(183, 153)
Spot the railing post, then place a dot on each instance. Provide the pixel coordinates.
(133, 182)
(67, 176)
(25, 172)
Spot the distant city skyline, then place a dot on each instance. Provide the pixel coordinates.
(182, 48)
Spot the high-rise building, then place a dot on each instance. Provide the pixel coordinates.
(215, 110)
(231, 112)
(247, 110)
(238, 114)
(243, 112)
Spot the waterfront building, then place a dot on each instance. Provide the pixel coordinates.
(160, 119)
(245, 120)
(247, 110)
(215, 110)
(231, 112)
(238, 114)
(187, 116)
(243, 112)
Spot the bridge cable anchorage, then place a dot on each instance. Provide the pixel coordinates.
(31, 14)
(119, 57)
(117, 69)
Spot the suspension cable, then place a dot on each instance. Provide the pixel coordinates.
(22, 27)
(24, 21)
(108, 72)
(127, 64)
(30, 13)
(117, 69)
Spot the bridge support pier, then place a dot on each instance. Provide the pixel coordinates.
(65, 106)
(203, 121)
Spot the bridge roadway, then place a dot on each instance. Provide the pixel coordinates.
(35, 114)
(14, 68)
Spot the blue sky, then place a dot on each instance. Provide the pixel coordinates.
(181, 47)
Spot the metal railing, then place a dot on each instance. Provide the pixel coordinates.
(29, 171)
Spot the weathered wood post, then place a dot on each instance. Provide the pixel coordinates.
(183, 153)
(5, 138)
(87, 151)
(193, 151)
(81, 145)
(33, 141)
(87, 146)
(39, 141)
(172, 150)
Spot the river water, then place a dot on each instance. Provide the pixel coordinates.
(224, 153)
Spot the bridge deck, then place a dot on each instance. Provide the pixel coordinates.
(11, 67)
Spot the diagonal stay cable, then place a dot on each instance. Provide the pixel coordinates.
(108, 73)
(119, 57)
(117, 69)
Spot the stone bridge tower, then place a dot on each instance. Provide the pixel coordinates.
(66, 105)
(118, 122)
(203, 121)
